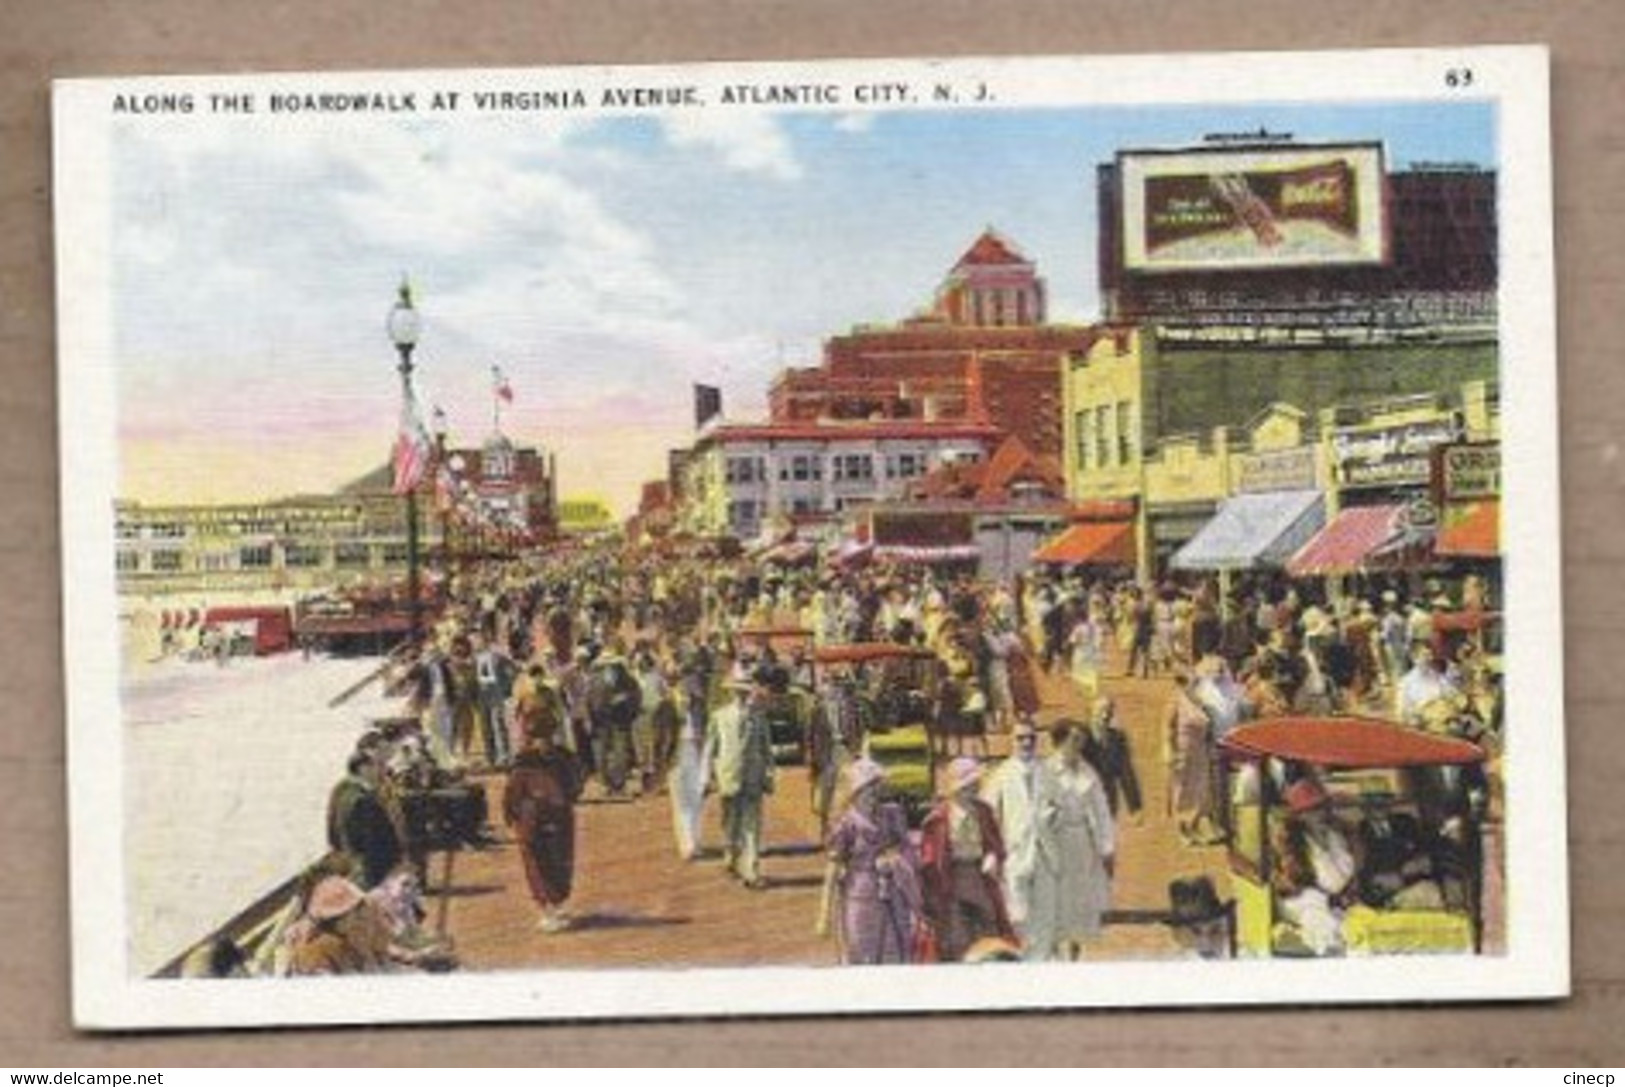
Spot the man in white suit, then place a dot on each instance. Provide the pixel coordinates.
(744, 772)
(1014, 792)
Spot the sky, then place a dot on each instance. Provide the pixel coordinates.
(605, 263)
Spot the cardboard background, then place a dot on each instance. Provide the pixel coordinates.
(45, 39)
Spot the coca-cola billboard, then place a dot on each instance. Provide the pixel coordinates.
(1253, 208)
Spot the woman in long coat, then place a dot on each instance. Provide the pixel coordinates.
(872, 873)
(961, 862)
(539, 803)
(1076, 851)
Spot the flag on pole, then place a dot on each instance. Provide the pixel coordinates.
(412, 450)
(499, 383)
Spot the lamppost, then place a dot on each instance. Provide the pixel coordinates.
(403, 325)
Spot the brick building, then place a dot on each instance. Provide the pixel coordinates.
(983, 352)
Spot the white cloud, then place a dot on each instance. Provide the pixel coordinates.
(855, 122)
(751, 143)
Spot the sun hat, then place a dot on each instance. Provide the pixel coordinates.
(333, 897)
(862, 774)
(964, 772)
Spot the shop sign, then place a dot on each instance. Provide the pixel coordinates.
(1258, 207)
(1470, 472)
(1279, 470)
(1389, 456)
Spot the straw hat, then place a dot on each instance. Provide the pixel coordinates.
(333, 897)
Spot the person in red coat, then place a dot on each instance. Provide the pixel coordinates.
(961, 858)
(539, 804)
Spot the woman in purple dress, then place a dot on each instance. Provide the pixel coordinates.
(871, 878)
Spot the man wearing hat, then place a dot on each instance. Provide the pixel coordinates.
(744, 772)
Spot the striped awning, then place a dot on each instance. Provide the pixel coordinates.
(1252, 530)
(1353, 536)
(926, 555)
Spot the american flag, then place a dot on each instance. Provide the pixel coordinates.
(499, 384)
(412, 450)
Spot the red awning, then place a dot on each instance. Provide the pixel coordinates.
(1352, 743)
(1342, 547)
(1473, 531)
(1091, 543)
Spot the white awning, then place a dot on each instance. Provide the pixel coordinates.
(1252, 530)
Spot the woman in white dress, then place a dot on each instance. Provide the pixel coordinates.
(1086, 643)
(686, 785)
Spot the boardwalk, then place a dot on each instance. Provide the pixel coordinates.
(639, 905)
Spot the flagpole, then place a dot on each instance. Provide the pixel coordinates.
(496, 399)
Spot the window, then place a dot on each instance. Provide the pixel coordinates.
(801, 468)
(166, 562)
(1103, 438)
(394, 554)
(745, 470)
(1083, 435)
(126, 562)
(854, 466)
(742, 516)
(350, 555)
(257, 557)
(302, 555)
(907, 465)
(1125, 432)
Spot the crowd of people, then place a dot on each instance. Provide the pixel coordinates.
(600, 670)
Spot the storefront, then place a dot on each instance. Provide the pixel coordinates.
(1467, 481)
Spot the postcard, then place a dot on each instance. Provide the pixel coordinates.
(811, 538)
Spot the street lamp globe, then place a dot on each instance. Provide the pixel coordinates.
(403, 323)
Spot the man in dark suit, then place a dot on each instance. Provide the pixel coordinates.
(359, 825)
(1106, 749)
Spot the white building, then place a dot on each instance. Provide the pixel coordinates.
(741, 476)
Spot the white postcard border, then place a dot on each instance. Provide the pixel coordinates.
(1536, 964)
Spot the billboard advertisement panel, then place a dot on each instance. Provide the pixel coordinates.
(1272, 207)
